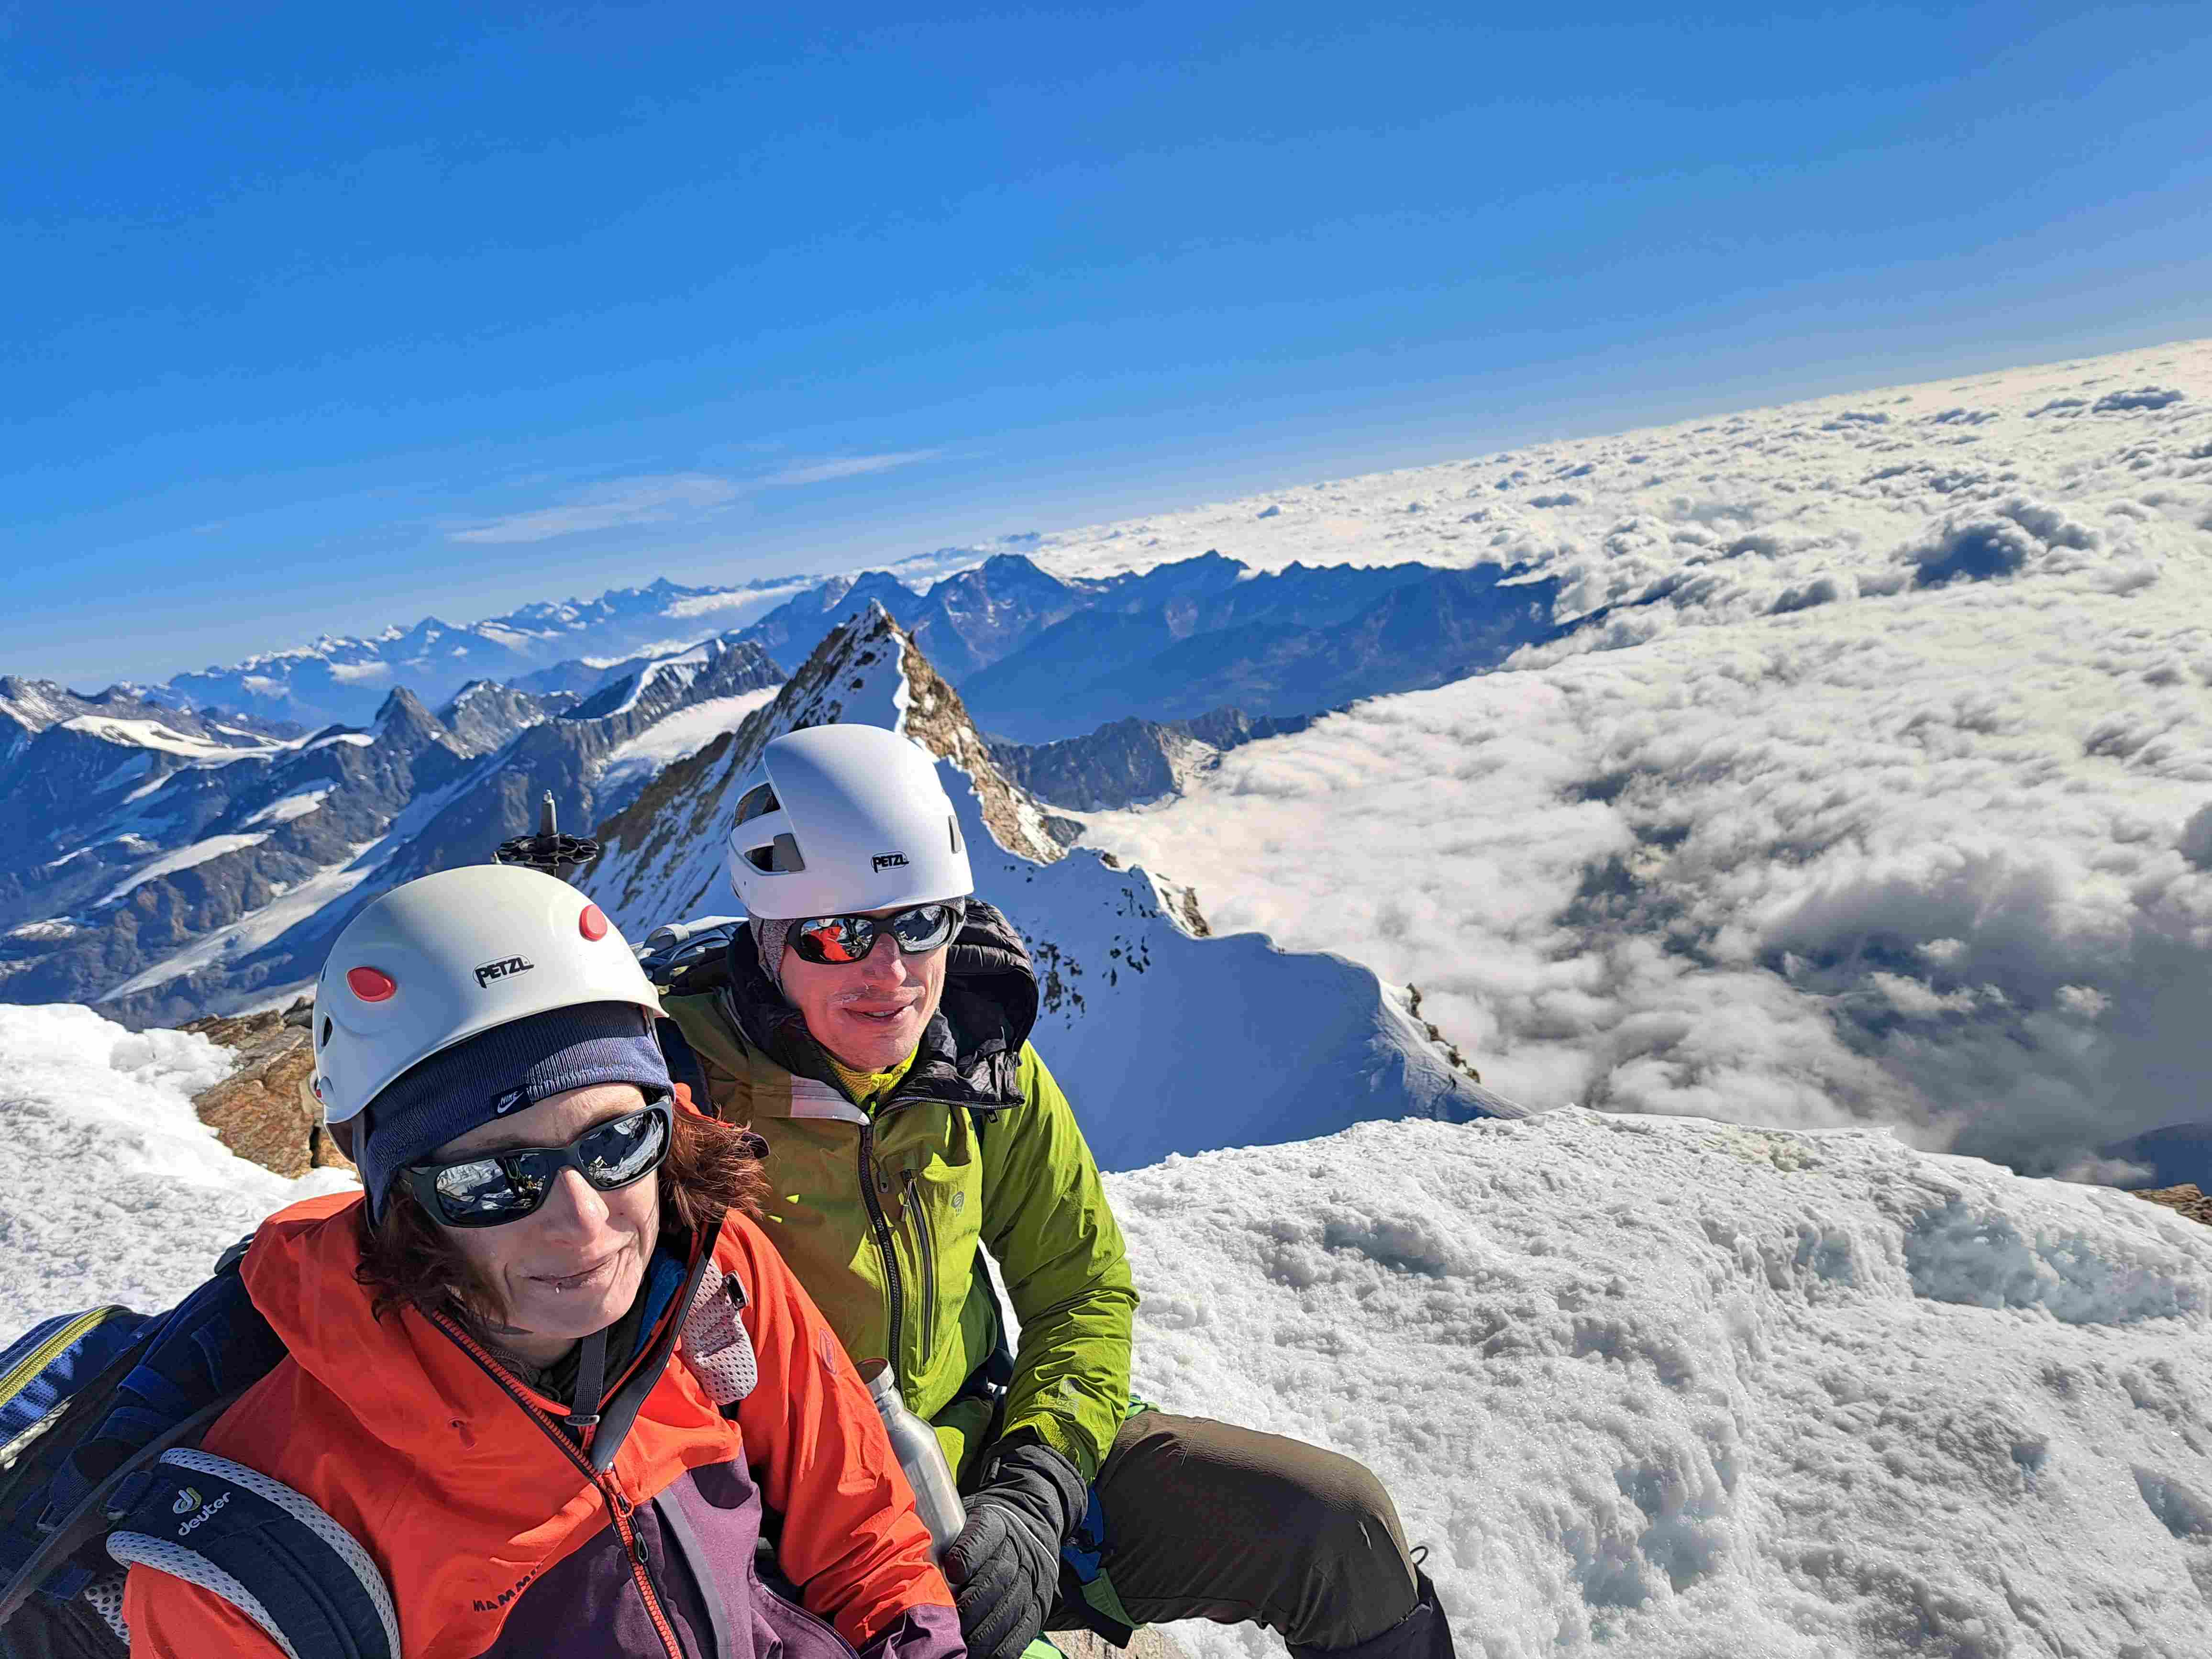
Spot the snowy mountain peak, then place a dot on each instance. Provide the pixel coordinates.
(485, 714)
(1177, 1041)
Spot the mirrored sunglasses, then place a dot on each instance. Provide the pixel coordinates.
(837, 940)
(495, 1188)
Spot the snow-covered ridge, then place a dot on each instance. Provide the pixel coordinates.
(153, 734)
(1651, 1386)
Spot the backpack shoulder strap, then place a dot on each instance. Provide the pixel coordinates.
(267, 1550)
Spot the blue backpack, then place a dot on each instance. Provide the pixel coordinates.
(101, 1417)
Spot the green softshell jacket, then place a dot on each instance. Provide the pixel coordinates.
(879, 1205)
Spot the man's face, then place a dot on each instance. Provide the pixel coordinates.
(870, 1013)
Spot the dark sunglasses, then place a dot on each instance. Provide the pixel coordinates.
(495, 1188)
(837, 940)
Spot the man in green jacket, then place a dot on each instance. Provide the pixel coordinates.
(913, 1128)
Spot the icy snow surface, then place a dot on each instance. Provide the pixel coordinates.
(292, 806)
(1677, 1390)
(1659, 1387)
(1879, 788)
(111, 1190)
(147, 734)
(634, 764)
(184, 858)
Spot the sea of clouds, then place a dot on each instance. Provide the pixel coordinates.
(1876, 787)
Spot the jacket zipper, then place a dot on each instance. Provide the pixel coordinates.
(893, 1294)
(618, 1507)
(925, 1264)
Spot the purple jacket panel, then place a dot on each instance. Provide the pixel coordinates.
(694, 1511)
(920, 1633)
(697, 1537)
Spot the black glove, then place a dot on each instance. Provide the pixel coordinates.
(1005, 1564)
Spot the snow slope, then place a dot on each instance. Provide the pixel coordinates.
(1678, 1389)
(1879, 788)
(1660, 1387)
(631, 766)
(1165, 1040)
(111, 1189)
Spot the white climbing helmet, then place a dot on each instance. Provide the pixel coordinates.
(840, 819)
(435, 962)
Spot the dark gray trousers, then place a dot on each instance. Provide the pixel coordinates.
(1207, 1521)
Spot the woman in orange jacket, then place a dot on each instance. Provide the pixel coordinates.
(545, 1369)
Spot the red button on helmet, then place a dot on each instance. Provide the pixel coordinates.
(371, 984)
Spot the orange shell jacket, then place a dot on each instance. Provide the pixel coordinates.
(463, 1501)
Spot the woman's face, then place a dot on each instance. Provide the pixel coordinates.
(574, 1264)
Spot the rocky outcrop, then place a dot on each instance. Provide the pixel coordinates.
(1149, 1642)
(485, 715)
(2186, 1199)
(265, 1109)
(1207, 633)
(1133, 761)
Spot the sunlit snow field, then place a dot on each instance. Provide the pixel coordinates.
(1666, 1387)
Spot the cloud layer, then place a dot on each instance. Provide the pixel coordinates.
(1871, 792)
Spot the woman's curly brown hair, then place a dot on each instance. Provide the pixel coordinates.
(407, 1259)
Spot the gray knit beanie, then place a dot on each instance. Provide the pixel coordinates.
(500, 1072)
(769, 933)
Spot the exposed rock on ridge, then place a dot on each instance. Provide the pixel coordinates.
(265, 1110)
(1132, 762)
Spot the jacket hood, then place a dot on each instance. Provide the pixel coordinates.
(970, 1052)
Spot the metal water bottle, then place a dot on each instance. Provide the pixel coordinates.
(914, 1442)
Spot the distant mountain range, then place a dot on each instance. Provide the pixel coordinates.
(166, 856)
(167, 865)
(344, 680)
(1040, 657)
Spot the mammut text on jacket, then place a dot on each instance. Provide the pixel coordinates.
(497, 1539)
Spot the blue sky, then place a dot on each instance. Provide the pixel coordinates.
(319, 320)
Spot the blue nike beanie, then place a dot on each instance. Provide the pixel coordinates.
(501, 1071)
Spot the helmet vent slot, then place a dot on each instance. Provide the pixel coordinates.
(758, 802)
(781, 857)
